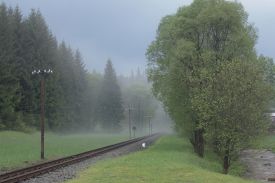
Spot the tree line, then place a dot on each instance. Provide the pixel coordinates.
(205, 69)
(75, 98)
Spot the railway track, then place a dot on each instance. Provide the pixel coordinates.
(39, 169)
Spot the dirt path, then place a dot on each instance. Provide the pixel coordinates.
(260, 164)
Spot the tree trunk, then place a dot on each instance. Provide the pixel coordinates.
(215, 145)
(192, 141)
(198, 142)
(226, 162)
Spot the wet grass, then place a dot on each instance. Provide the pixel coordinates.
(170, 160)
(18, 149)
(265, 142)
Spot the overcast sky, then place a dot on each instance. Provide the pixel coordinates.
(123, 29)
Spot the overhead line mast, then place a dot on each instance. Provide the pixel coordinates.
(42, 74)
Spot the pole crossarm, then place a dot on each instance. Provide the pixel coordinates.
(42, 71)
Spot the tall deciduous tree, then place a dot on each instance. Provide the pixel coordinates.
(201, 63)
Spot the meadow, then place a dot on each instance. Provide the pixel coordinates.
(264, 142)
(170, 160)
(20, 149)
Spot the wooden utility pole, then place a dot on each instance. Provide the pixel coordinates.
(42, 74)
(139, 117)
(134, 131)
(129, 123)
(149, 123)
(129, 120)
(42, 115)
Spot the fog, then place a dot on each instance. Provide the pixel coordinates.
(122, 29)
(60, 84)
(84, 35)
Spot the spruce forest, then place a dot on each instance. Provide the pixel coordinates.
(71, 93)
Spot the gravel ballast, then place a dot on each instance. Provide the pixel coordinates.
(71, 171)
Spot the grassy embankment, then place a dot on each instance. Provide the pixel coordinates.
(18, 149)
(170, 160)
(265, 142)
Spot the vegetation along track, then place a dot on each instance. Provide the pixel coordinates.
(33, 171)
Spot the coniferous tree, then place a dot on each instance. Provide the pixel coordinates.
(74, 98)
(9, 85)
(27, 44)
(110, 108)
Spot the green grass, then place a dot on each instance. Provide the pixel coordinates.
(170, 160)
(265, 142)
(18, 149)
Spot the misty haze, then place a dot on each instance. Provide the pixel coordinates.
(137, 91)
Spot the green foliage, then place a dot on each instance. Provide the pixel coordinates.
(233, 104)
(170, 159)
(9, 84)
(140, 99)
(27, 44)
(75, 99)
(109, 104)
(205, 70)
(266, 141)
(93, 89)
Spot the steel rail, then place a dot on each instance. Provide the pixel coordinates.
(42, 168)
